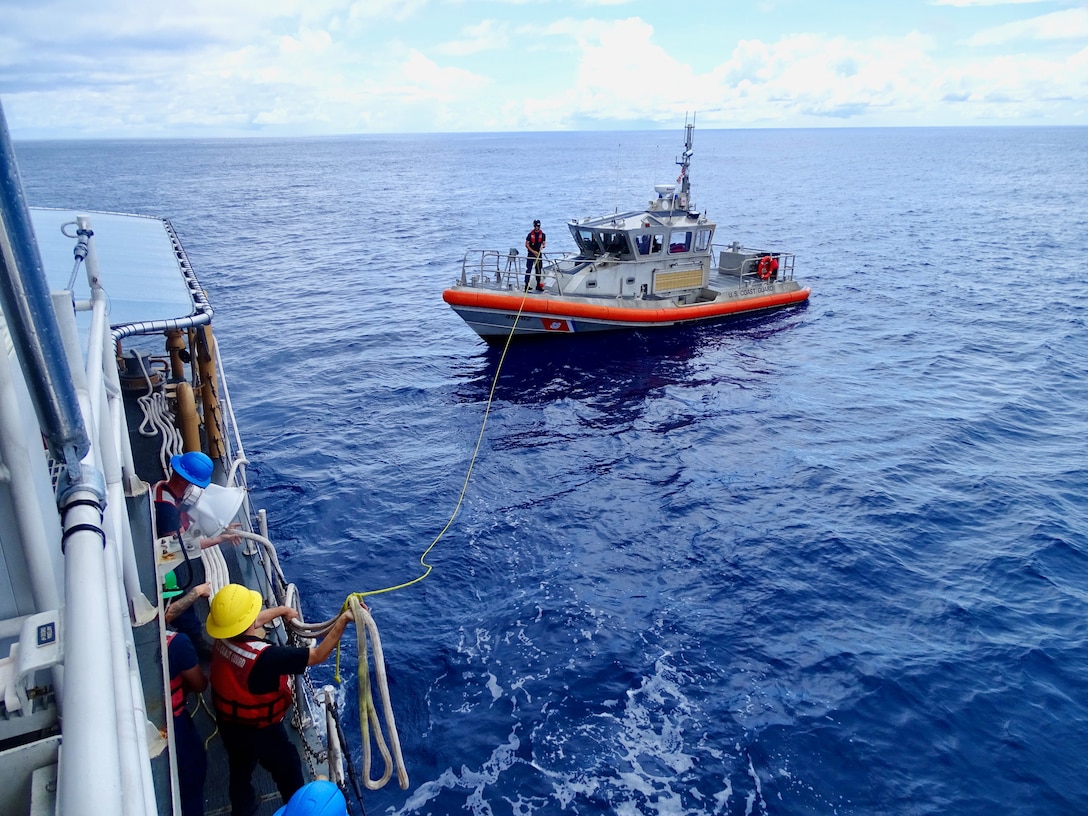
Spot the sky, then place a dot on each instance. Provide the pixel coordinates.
(207, 68)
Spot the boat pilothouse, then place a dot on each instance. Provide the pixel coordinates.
(657, 266)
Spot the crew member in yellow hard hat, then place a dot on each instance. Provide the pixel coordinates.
(250, 692)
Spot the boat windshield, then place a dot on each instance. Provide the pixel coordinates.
(681, 240)
(594, 243)
(649, 243)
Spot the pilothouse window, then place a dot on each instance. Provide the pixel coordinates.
(614, 243)
(594, 243)
(647, 243)
(586, 242)
(702, 239)
(679, 241)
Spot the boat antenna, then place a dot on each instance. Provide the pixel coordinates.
(684, 180)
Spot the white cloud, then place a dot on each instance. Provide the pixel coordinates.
(336, 66)
(488, 35)
(807, 79)
(384, 9)
(1071, 24)
(965, 3)
(428, 80)
(814, 76)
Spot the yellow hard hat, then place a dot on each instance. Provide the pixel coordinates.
(234, 608)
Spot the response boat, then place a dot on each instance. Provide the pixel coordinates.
(647, 268)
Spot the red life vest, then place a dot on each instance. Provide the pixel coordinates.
(162, 494)
(177, 685)
(536, 240)
(232, 661)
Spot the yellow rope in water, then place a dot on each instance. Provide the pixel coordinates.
(468, 475)
(460, 499)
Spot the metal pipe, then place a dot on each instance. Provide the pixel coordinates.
(131, 732)
(91, 783)
(25, 468)
(129, 726)
(24, 292)
(105, 422)
(128, 722)
(141, 609)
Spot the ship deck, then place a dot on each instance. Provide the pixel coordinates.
(150, 284)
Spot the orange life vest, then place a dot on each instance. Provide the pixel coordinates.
(232, 661)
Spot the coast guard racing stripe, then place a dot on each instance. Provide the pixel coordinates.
(556, 324)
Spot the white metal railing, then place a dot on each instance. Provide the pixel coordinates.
(750, 259)
(104, 734)
(506, 270)
(121, 581)
(491, 269)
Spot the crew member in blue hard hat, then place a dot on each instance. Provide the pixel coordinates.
(318, 798)
(250, 691)
(193, 468)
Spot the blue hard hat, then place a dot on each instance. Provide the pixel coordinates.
(318, 798)
(194, 467)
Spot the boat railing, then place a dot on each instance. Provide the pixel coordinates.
(744, 263)
(506, 270)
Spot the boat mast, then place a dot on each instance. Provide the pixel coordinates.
(685, 162)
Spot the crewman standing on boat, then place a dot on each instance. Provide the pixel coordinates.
(534, 246)
(250, 691)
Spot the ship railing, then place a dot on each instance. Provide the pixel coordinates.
(109, 441)
(104, 568)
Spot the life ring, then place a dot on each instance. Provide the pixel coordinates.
(767, 267)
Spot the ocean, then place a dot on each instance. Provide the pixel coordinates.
(831, 560)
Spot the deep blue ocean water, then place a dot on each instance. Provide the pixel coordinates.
(828, 561)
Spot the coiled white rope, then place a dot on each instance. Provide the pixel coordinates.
(367, 633)
(159, 419)
(368, 713)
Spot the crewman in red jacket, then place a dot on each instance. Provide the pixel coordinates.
(534, 247)
(251, 694)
